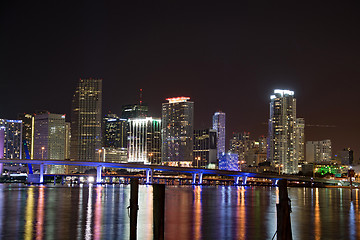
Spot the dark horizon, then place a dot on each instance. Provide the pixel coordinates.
(224, 56)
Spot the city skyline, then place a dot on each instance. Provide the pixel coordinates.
(247, 49)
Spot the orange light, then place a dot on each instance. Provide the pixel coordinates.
(177, 99)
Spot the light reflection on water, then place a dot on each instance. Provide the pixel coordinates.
(191, 212)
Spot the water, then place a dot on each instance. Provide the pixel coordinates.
(211, 212)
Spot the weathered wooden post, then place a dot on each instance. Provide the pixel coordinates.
(158, 211)
(283, 212)
(134, 207)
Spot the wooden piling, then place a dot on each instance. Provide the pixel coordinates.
(283, 212)
(158, 211)
(134, 207)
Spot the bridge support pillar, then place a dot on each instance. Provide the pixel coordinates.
(98, 174)
(236, 179)
(54, 180)
(41, 179)
(149, 176)
(244, 178)
(200, 178)
(193, 178)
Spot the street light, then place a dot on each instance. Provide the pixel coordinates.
(99, 154)
(42, 152)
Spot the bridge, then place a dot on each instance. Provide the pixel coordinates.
(150, 169)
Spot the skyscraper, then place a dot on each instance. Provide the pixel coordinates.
(86, 120)
(10, 137)
(27, 131)
(300, 140)
(144, 140)
(219, 126)
(177, 131)
(282, 131)
(205, 148)
(115, 131)
(49, 139)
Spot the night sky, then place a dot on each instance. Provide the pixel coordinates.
(225, 57)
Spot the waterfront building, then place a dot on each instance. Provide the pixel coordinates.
(27, 132)
(49, 139)
(300, 140)
(229, 161)
(144, 140)
(177, 131)
(219, 127)
(346, 156)
(11, 138)
(115, 131)
(318, 151)
(116, 155)
(282, 131)
(241, 144)
(86, 120)
(205, 150)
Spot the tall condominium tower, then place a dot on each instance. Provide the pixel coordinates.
(144, 140)
(282, 131)
(219, 127)
(177, 131)
(300, 140)
(86, 120)
(49, 139)
(10, 138)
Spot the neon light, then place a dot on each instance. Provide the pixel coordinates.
(177, 99)
(284, 92)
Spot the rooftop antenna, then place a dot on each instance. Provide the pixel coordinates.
(140, 96)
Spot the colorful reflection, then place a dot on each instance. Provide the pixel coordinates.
(317, 221)
(241, 213)
(197, 212)
(40, 214)
(98, 213)
(29, 214)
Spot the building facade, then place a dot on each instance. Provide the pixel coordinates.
(229, 161)
(205, 150)
(115, 131)
(177, 131)
(11, 138)
(282, 131)
(219, 127)
(86, 120)
(49, 139)
(27, 131)
(318, 151)
(144, 140)
(300, 140)
(134, 111)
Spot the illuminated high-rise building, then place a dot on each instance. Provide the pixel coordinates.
(144, 140)
(177, 131)
(11, 138)
(318, 151)
(240, 143)
(67, 139)
(282, 131)
(49, 139)
(27, 131)
(219, 127)
(205, 148)
(300, 140)
(86, 120)
(115, 131)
